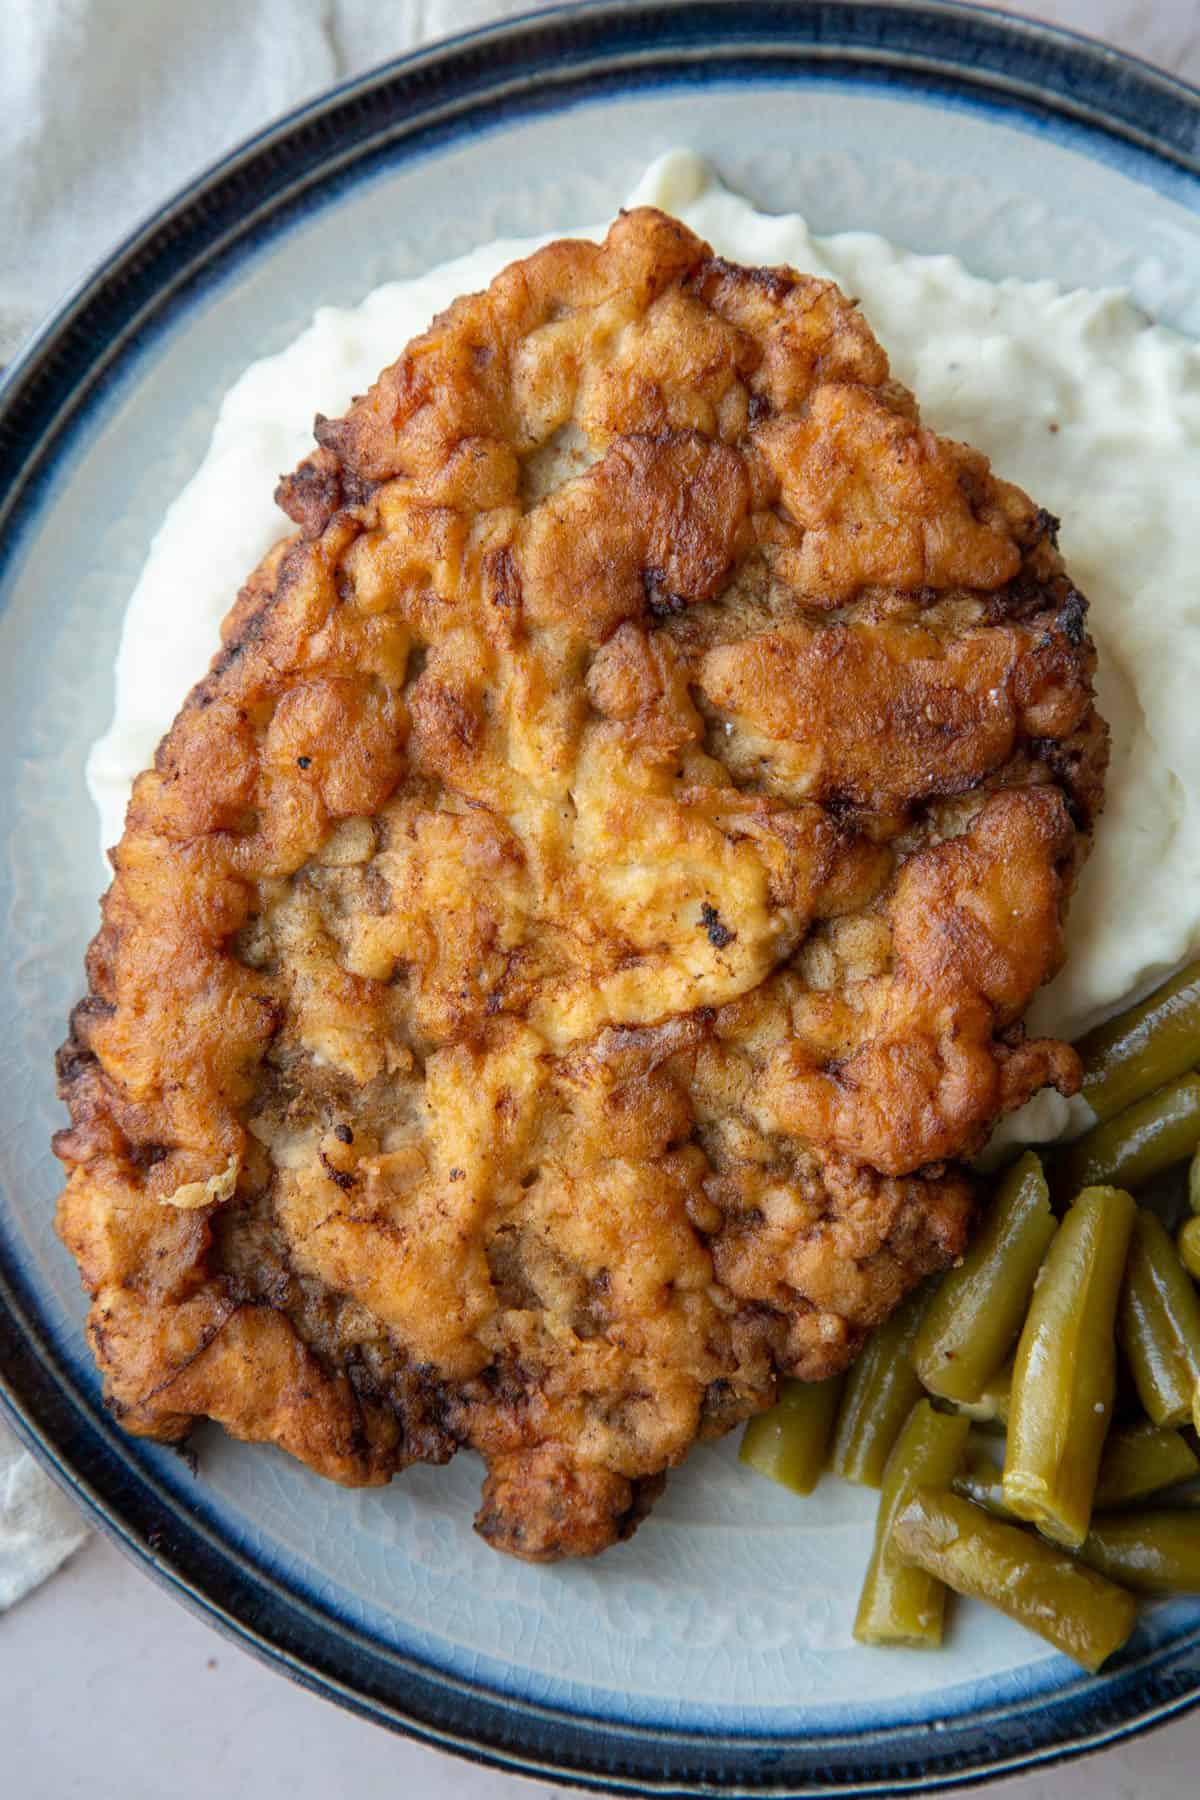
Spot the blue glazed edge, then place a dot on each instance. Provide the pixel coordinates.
(1154, 128)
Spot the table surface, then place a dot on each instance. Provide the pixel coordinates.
(105, 1682)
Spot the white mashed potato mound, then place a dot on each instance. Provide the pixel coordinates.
(1072, 395)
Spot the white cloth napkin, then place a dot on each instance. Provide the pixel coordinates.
(39, 1527)
(106, 108)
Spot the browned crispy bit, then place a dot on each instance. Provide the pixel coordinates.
(819, 700)
(573, 933)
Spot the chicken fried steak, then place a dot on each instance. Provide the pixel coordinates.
(568, 942)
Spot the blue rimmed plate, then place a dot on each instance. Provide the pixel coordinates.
(713, 1651)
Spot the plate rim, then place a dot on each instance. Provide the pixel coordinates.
(56, 378)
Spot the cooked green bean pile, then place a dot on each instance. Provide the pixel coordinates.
(1076, 1334)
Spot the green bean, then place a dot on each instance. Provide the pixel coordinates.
(1194, 1183)
(991, 1408)
(881, 1390)
(1073, 1608)
(1143, 1047)
(1138, 1143)
(790, 1443)
(1155, 1552)
(982, 1482)
(1188, 1246)
(1064, 1381)
(1159, 1323)
(976, 1314)
(900, 1605)
(1140, 1460)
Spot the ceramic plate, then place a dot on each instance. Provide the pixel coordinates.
(714, 1650)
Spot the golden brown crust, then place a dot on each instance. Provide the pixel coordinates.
(567, 941)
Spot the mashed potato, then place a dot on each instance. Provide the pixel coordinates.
(1073, 396)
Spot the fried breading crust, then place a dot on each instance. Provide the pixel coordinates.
(568, 940)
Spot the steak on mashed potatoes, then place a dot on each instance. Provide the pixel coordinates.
(572, 936)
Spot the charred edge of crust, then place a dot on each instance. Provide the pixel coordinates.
(320, 487)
